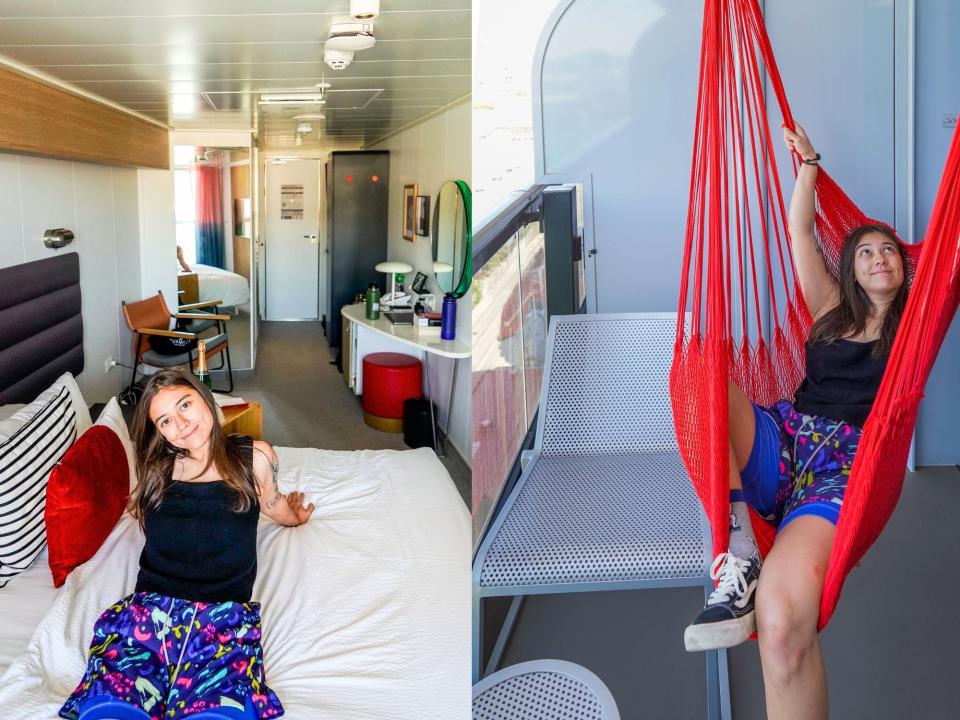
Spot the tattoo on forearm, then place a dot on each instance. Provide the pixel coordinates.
(274, 471)
(274, 475)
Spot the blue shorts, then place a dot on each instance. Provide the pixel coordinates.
(799, 464)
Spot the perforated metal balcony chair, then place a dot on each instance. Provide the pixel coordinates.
(543, 690)
(150, 317)
(604, 502)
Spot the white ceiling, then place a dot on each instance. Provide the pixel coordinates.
(215, 56)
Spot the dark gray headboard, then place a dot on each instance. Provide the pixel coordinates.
(41, 331)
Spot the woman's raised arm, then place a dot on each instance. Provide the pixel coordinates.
(820, 290)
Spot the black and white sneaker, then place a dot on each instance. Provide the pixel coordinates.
(728, 617)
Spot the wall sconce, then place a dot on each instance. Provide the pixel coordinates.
(57, 238)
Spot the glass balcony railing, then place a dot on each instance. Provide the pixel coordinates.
(510, 322)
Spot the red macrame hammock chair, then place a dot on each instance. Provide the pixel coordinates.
(726, 221)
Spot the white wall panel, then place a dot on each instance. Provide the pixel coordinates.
(98, 277)
(430, 153)
(937, 95)
(100, 205)
(126, 216)
(11, 232)
(837, 65)
(618, 87)
(48, 201)
(158, 241)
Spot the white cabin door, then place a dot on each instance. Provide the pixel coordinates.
(292, 249)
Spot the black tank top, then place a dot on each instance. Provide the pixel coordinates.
(197, 547)
(842, 380)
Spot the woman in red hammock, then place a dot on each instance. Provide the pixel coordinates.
(790, 462)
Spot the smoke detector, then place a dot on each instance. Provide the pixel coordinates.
(337, 59)
(350, 37)
(364, 9)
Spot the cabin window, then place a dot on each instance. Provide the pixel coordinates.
(185, 200)
(503, 162)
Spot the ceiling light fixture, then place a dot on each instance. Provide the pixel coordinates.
(308, 98)
(337, 59)
(350, 37)
(364, 9)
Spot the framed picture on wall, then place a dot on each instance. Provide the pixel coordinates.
(423, 215)
(409, 212)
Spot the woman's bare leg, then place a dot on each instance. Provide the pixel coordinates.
(742, 431)
(728, 617)
(788, 606)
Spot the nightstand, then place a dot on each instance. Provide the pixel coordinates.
(244, 419)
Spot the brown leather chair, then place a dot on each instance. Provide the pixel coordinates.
(208, 311)
(151, 318)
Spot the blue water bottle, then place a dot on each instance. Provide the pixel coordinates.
(448, 317)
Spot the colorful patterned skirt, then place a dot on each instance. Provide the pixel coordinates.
(174, 658)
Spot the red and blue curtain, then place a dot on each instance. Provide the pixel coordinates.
(210, 244)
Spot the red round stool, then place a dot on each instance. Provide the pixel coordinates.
(389, 379)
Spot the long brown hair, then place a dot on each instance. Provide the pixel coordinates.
(855, 308)
(156, 456)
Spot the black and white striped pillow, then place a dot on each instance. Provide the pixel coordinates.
(26, 459)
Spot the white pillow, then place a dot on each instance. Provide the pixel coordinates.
(26, 459)
(20, 418)
(112, 417)
(7, 411)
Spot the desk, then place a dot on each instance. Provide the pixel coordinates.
(369, 336)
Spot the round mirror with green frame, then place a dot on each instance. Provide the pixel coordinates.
(453, 238)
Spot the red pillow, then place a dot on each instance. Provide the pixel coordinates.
(86, 495)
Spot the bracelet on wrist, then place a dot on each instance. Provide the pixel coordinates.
(815, 160)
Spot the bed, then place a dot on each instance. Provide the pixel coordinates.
(230, 289)
(366, 608)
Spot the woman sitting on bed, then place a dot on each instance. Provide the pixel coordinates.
(187, 641)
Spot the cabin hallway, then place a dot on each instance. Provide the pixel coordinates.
(306, 402)
(890, 650)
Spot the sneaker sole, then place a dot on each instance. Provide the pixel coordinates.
(717, 635)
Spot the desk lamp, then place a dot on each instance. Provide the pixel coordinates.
(394, 269)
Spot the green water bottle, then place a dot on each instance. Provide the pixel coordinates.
(373, 302)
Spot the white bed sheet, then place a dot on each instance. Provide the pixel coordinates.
(366, 608)
(23, 603)
(219, 284)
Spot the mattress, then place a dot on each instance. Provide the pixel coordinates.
(366, 608)
(219, 284)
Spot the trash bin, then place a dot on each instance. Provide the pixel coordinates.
(416, 423)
